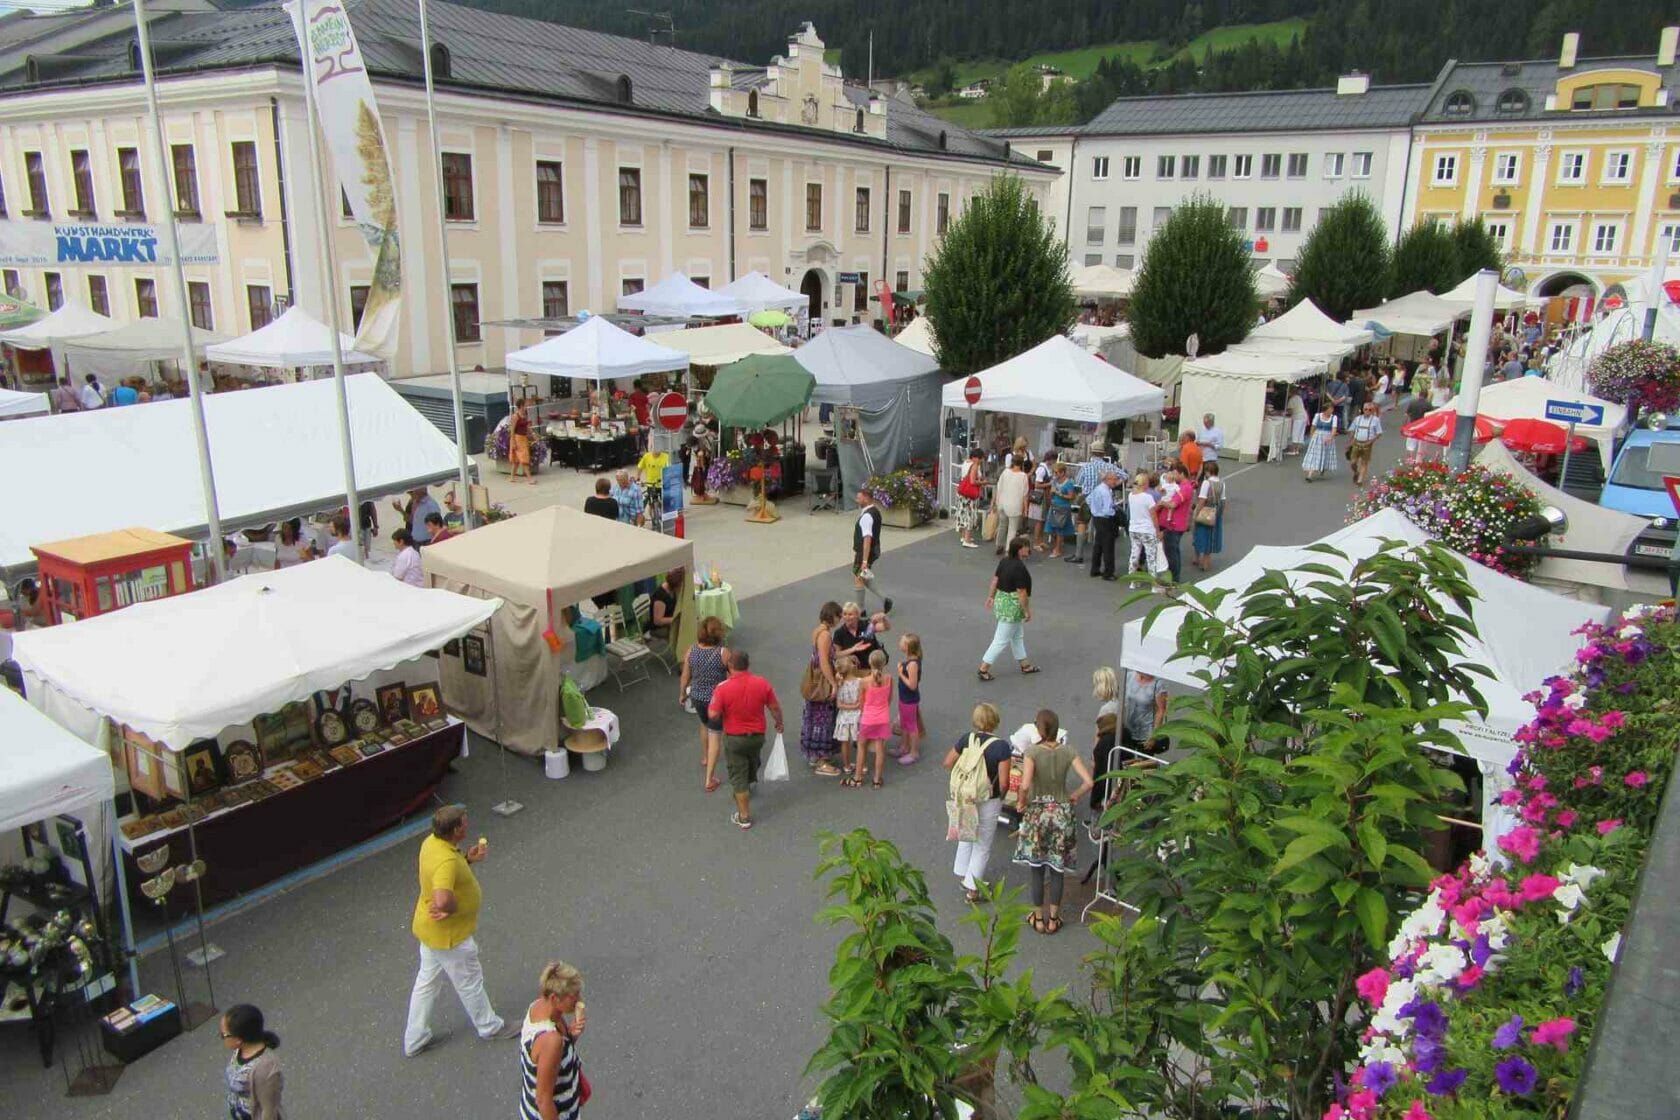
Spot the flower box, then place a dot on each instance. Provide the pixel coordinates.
(901, 517)
(734, 495)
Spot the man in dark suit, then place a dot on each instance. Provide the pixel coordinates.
(866, 548)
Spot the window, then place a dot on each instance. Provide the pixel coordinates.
(463, 301)
(259, 305)
(626, 91)
(1216, 166)
(1511, 101)
(1297, 165)
(36, 174)
(81, 177)
(1124, 260)
(752, 103)
(457, 187)
(1099, 167)
(1190, 167)
(555, 301)
(629, 196)
(758, 204)
(1164, 167)
(1271, 166)
(1334, 163)
(1127, 233)
(860, 293)
(862, 219)
(1609, 95)
(1671, 234)
(1507, 168)
(133, 194)
(1045, 155)
(701, 281)
(1238, 217)
(198, 303)
(629, 287)
(1459, 103)
(551, 192)
(1092, 259)
(1131, 167)
(186, 181)
(1361, 165)
(1604, 238)
(441, 67)
(901, 281)
(55, 290)
(1562, 238)
(1161, 216)
(99, 296)
(1265, 219)
(247, 188)
(813, 206)
(1242, 167)
(1291, 219)
(903, 211)
(1096, 222)
(1501, 234)
(1446, 171)
(145, 298)
(941, 213)
(699, 201)
(1674, 170)
(1618, 167)
(1572, 167)
(9, 279)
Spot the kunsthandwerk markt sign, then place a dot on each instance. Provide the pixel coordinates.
(94, 245)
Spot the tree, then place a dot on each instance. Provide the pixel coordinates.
(997, 284)
(1014, 98)
(1426, 256)
(943, 80)
(1476, 248)
(1344, 264)
(1196, 280)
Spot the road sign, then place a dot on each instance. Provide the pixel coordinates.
(848, 278)
(971, 391)
(671, 411)
(1574, 412)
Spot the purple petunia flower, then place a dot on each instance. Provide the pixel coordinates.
(1508, 1035)
(1446, 1083)
(1427, 1054)
(1481, 951)
(1430, 1021)
(1575, 983)
(1380, 1077)
(1515, 1076)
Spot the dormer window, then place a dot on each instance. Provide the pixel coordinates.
(942, 139)
(752, 103)
(441, 67)
(858, 126)
(1609, 95)
(134, 57)
(1459, 104)
(625, 92)
(1512, 101)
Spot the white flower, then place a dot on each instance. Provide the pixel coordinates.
(1479, 866)
(1629, 630)
(1575, 701)
(1612, 948)
(1381, 1049)
(1580, 876)
(1387, 1020)
(1498, 932)
(1441, 965)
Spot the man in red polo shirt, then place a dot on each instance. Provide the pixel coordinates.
(740, 703)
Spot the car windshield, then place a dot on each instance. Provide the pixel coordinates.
(1633, 469)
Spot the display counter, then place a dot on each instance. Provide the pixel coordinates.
(591, 449)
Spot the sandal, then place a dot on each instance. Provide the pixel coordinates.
(1052, 925)
(985, 675)
(972, 897)
(876, 783)
(1027, 670)
(825, 771)
(711, 786)
(1035, 921)
(849, 782)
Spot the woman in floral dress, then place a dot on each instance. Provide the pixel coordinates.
(1048, 837)
(816, 726)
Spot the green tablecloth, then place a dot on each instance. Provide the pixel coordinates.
(718, 603)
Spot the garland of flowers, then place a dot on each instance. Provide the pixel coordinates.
(903, 488)
(1470, 511)
(1644, 375)
(1493, 990)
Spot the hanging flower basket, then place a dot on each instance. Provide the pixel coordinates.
(1643, 375)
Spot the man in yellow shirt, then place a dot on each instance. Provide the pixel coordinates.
(445, 917)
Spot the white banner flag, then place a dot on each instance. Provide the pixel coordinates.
(356, 146)
(26, 244)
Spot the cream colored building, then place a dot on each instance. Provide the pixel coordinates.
(578, 167)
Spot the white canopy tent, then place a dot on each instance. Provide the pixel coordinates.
(14, 404)
(1525, 398)
(720, 345)
(596, 350)
(44, 769)
(677, 295)
(1058, 380)
(72, 320)
(1504, 299)
(1271, 282)
(860, 366)
(1524, 634)
(1305, 322)
(757, 292)
(113, 353)
(1232, 386)
(119, 467)
(1095, 338)
(1102, 281)
(293, 341)
(918, 336)
(1421, 313)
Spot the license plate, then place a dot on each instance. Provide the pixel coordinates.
(1659, 551)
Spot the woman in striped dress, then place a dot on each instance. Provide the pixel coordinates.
(552, 1085)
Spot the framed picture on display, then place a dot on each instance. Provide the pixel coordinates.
(203, 767)
(472, 654)
(284, 733)
(393, 702)
(424, 702)
(243, 761)
(146, 761)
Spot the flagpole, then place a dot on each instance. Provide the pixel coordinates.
(443, 256)
(172, 246)
(306, 68)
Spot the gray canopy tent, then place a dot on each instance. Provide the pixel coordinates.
(892, 390)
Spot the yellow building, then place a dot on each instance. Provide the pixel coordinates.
(1573, 163)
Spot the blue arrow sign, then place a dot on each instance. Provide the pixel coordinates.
(1574, 412)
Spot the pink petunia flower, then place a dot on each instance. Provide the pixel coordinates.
(1417, 1111)
(1522, 842)
(1373, 986)
(1553, 1032)
(1605, 828)
(1567, 818)
(1536, 887)
(1636, 779)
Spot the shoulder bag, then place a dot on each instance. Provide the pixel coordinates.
(1208, 513)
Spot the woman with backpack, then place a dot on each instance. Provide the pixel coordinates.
(979, 765)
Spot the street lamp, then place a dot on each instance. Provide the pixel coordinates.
(1519, 540)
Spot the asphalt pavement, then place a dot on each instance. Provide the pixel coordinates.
(704, 969)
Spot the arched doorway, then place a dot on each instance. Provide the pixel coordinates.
(1568, 284)
(812, 289)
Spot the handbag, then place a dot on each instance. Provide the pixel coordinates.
(968, 487)
(814, 686)
(989, 527)
(1208, 515)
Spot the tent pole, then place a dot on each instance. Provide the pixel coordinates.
(352, 502)
(172, 246)
(506, 807)
(122, 904)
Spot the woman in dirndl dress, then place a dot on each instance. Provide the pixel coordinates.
(966, 511)
(816, 725)
(1049, 835)
(1320, 458)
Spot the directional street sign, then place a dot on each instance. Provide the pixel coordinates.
(1574, 412)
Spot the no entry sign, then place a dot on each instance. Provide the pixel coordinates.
(671, 411)
(971, 391)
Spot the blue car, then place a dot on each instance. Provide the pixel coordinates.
(1633, 487)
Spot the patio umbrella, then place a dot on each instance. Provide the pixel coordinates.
(759, 391)
(15, 312)
(1539, 436)
(769, 317)
(1437, 428)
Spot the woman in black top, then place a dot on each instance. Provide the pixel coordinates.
(662, 604)
(1010, 600)
(855, 638)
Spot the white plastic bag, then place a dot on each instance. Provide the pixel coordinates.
(776, 767)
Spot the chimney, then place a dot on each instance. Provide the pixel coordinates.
(1353, 84)
(1571, 47)
(1666, 44)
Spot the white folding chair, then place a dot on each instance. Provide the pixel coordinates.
(627, 658)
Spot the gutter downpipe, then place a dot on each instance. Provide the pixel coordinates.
(731, 158)
(285, 217)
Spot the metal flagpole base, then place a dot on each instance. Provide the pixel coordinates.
(506, 808)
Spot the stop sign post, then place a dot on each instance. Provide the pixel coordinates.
(671, 411)
(971, 391)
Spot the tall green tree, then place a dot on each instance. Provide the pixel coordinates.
(997, 284)
(1344, 264)
(1426, 256)
(1476, 248)
(1196, 280)
(1020, 98)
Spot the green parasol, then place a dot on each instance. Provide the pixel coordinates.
(759, 390)
(15, 312)
(769, 317)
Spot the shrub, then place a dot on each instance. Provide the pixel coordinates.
(902, 488)
(1469, 511)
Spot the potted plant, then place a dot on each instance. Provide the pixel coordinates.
(727, 478)
(905, 497)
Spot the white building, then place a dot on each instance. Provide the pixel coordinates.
(577, 167)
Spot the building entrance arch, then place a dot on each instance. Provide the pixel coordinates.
(1566, 284)
(812, 288)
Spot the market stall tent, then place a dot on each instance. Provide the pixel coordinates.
(537, 565)
(293, 341)
(44, 769)
(1058, 380)
(1305, 322)
(596, 350)
(720, 345)
(114, 352)
(679, 296)
(14, 404)
(894, 390)
(269, 447)
(1232, 386)
(1422, 313)
(1102, 281)
(1504, 299)
(1526, 397)
(1524, 634)
(1271, 282)
(72, 320)
(757, 292)
(918, 336)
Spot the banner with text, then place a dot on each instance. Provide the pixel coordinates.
(25, 244)
(356, 146)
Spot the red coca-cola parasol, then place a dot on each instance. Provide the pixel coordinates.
(1539, 436)
(1437, 428)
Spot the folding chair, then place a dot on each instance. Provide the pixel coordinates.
(825, 489)
(627, 658)
(659, 646)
